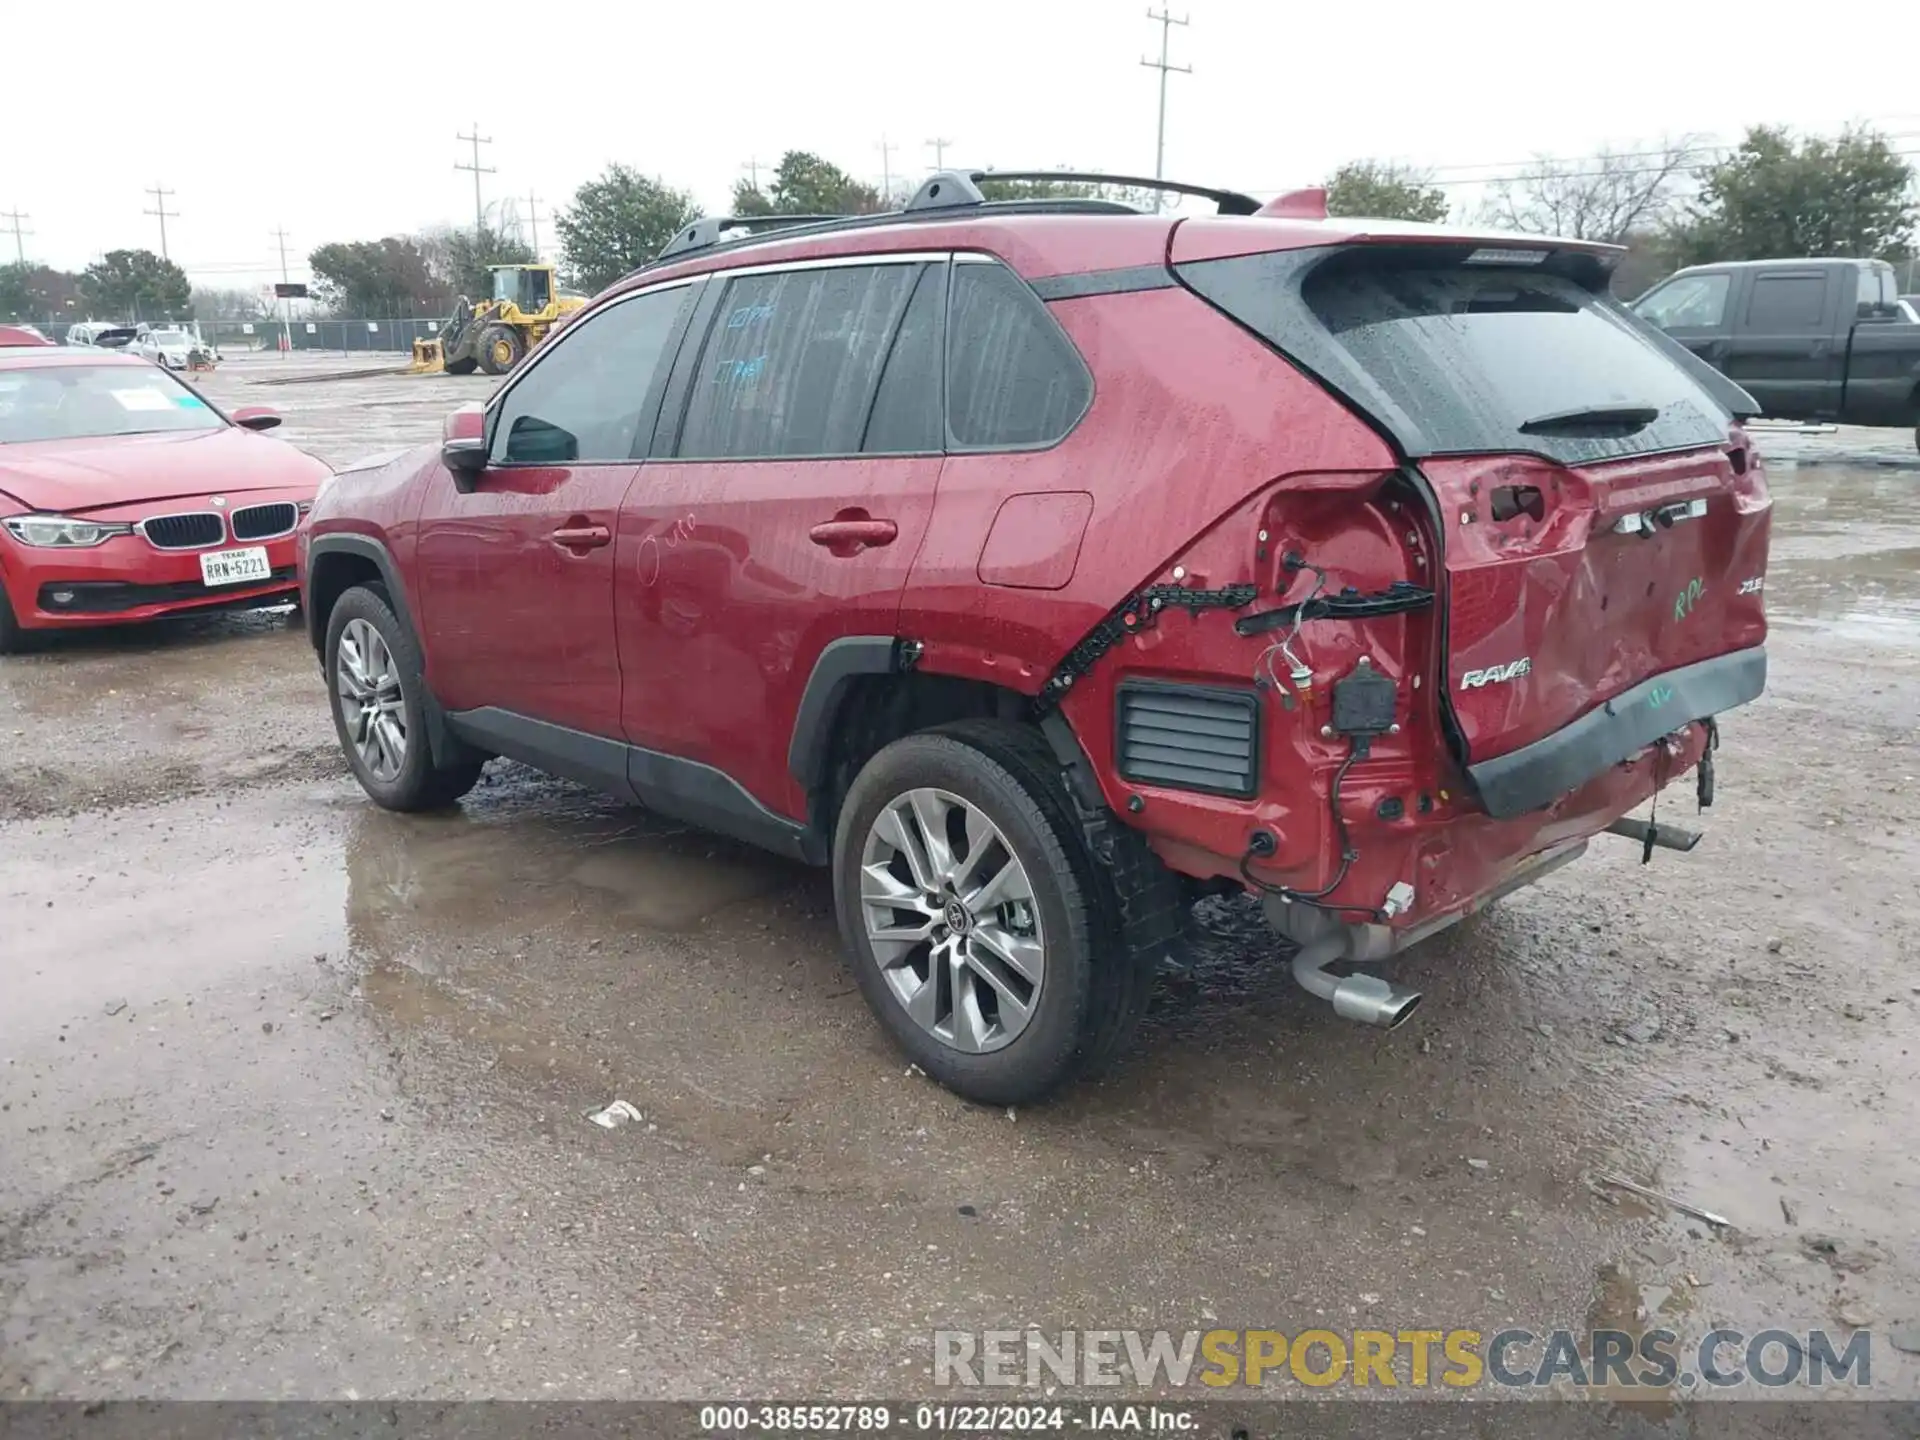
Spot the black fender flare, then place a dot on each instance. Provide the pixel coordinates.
(841, 663)
(448, 748)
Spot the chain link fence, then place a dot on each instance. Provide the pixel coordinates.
(344, 337)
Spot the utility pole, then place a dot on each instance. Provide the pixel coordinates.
(476, 139)
(886, 171)
(286, 305)
(160, 195)
(533, 221)
(752, 167)
(939, 147)
(1167, 22)
(19, 246)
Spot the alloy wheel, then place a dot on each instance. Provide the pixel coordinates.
(371, 702)
(950, 914)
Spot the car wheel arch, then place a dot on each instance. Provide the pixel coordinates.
(337, 563)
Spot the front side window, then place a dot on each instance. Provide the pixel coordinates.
(81, 402)
(582, 399)
(792, 361)
(1014, 380)
(1691, 302)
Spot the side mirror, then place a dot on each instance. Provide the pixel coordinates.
(256, 417)
(465, 459)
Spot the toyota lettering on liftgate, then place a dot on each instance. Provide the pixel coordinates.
(1042, 567)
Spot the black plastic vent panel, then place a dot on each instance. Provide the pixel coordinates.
(1189, 737)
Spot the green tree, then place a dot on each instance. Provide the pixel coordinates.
(750, 199)
(804, 184)
(1383, 191)
(38, 292)
(999, 190)
(617, 223)
(459, 259)
(137, 284)
(375, 277)
(1776, 196)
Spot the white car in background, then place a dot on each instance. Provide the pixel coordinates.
(168, 348)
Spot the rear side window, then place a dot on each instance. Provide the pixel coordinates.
(582, 398)
(906, 411)
(793, 360)
(1451, 358)
(1691, 302)
(1788, 304)
(1014, 380)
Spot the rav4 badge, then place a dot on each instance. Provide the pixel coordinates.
(1497, 674)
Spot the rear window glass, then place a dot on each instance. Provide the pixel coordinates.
(793, 361)
(1451, 358)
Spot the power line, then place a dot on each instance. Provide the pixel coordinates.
(1167, 22)
(1703, 159)
(476, 139)
(1704, 144)
(160, 195)
(19, 248)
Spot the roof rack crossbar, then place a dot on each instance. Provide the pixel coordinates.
(1231, 202)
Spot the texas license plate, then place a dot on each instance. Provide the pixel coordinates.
(235, 567)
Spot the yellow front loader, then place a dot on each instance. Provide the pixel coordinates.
(496, 334)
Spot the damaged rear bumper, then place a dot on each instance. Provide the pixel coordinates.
(1536, 775)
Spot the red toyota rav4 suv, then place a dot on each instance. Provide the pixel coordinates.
(1040, 566)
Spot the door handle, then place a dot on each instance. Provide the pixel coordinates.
(582, 537)
(849, 537)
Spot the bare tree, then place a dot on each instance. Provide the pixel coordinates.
(1607, 196)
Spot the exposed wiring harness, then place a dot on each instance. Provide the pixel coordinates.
(1301, 674)
(1348, 854)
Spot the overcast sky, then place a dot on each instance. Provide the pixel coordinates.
(338, 120)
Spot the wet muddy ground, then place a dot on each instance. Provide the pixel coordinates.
(292, 1091)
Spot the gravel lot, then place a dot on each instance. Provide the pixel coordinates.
(292, 1090)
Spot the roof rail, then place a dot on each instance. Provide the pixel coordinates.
(707, 230)
(949, 190)
(1231, 202)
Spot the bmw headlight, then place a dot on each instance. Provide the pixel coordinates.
(58, 532)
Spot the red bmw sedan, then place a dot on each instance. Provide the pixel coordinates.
(125, 495)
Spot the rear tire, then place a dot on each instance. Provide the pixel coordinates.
(986, 789)
(382, 683)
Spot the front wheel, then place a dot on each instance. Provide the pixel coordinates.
(501, 348)
(973, 915)
(377, 692)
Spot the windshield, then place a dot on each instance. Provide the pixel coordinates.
(172, 337)
(1452, 358)
(80, 402)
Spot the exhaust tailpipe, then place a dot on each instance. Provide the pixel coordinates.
(1366, 998)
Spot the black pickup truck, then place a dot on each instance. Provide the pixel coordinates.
(1808, 339)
